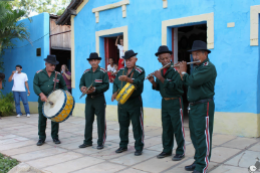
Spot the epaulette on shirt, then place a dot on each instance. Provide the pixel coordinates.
(103, 70)
(38, 71)
(86, 71)
(139, 70)
(57, 72)
(206, 63)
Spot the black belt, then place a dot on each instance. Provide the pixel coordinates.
(95, 96)
(201, 101)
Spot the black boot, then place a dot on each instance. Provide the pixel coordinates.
(56, 141)
(121, 150)
(163, 155)
(100, 147)
(85, 145)
(138, 153)
(40, 142)
(190, 167)
(178, 157)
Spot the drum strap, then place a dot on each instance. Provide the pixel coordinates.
(55, 80)
(132, 74)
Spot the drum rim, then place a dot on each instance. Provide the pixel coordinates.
(61, 107)
(70, 114)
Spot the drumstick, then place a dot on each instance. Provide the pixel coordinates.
(51, 103)
(86, 91)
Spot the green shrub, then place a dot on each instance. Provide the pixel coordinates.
(6, 103)
(7, 163)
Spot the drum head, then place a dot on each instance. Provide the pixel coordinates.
(58, 99)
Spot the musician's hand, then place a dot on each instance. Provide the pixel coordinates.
(114, 96)
(91, 90)
(183, 66)
(43, 97)
(151, 79)
(83, 89)
(123, 78)
(158, 74)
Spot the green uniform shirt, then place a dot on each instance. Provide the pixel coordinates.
(201, 82)
(172, 86)
(98, 79)
(138, 78)
(42, 83)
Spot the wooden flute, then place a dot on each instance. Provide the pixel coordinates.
(169, 65)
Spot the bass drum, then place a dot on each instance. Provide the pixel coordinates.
(62, 107)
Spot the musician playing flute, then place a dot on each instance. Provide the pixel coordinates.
(133, 107)
(169, 84)
(43, 85)
(94, 82)
(201, 85)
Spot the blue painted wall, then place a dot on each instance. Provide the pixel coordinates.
(236, 61)
(25, 53)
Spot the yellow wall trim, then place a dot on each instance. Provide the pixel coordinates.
(231, 25)
(254, 24)
(239, 124)
(72, 52)
(81, 6)
(209, 18)
(123, 30)
(111, 6)
(165, 3)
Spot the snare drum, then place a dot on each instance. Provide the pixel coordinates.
(63, 105)
(125, 93)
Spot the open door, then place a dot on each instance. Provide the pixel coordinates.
(111, 50)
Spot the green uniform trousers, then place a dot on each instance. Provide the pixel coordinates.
(135, 115)
(201, 121)
(172, 123)
(42, 121)
(95, 106)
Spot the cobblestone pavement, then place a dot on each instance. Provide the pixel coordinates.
(18, 138)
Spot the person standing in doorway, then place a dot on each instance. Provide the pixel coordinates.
(67, 76)
(20, 79)
(121, 52)
(2, 77)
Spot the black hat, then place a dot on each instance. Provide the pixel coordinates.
(51, 59)
(199, 45)
(129, 54)
(93, 56)
(163, 49)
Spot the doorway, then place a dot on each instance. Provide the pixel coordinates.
(111, 50)
(64, 57)
(186, 36)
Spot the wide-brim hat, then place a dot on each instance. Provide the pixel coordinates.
(163, 49)
(94, 56)
(199, 45)
(129, 54)
(51, 59)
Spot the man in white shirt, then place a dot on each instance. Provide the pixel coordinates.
(20, 79)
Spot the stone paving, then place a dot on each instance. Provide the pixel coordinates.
(18, 138)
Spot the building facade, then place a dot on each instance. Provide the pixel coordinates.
(230, 28)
